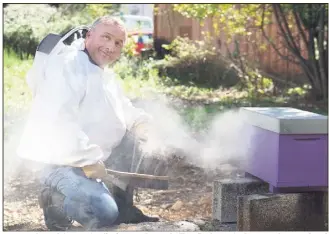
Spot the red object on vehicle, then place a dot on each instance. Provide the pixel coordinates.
(139, 47)
(143, 40)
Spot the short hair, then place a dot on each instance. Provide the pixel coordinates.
(107, 19)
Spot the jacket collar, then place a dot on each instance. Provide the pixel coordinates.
(90, 59)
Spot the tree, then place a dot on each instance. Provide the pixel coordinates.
(310, 19)
(312, 24)
(25, 25)
(88, 11)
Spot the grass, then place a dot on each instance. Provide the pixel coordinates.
(17, 95)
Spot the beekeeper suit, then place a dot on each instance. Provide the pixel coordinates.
(78, 115)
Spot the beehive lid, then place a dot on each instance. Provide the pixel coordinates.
(285, 120)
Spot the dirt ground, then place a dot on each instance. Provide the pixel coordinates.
(189, 198)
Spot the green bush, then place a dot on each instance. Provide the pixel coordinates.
(197, 63)
(137, 76)
(25, 25)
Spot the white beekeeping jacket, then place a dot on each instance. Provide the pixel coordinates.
(78, 114)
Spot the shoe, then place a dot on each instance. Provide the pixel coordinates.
(128, 213)
(135, 215)
(52, 204)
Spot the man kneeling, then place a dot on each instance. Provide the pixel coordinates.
(78, 116)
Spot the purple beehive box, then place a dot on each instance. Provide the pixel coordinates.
(288, 148)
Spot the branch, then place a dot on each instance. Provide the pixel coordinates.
(289, 34)
(296, 36)
(271, 42)
(277, 78)
(299, 26)
(290, 46)
(302, 61)
(169, 23)
(240, 70)
(311, 51)
(322, 64)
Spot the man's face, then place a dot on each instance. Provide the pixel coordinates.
(104, 43)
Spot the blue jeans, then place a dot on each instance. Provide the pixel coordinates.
(87, 201)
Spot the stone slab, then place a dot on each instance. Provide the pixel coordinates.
(161, 226)
(226, 192)
(179, 226)
(283, 212)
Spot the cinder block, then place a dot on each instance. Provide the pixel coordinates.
(226, 192)
(282, 212)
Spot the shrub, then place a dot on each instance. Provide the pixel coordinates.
(25, 25)
(137, 76)
(196, 63)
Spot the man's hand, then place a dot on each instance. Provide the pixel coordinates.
(95, 171)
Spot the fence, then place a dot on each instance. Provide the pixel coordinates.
(169, 24)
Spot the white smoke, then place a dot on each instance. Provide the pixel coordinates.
(226, 141)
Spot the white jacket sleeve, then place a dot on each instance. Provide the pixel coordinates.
(53, 134)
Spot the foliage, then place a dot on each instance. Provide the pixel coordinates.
(299, 91)
(137, 76)
(25, 25)
(234, 19)
(85, 13)
(238, 20)
(312, 24)
(196, 63)
(97, 10)
(140, 79)
(130, 48)
(308, 13)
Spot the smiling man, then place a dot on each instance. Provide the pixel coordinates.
(78, 116)
(105, 40)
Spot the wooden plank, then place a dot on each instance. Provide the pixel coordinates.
(136, 175)
(134, 180)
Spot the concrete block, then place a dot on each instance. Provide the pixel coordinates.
(226, 192)
(282, 212)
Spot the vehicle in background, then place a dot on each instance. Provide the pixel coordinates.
(143, 40)
(140, 29)
(137, 22)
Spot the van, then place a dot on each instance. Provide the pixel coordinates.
(139, 23)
